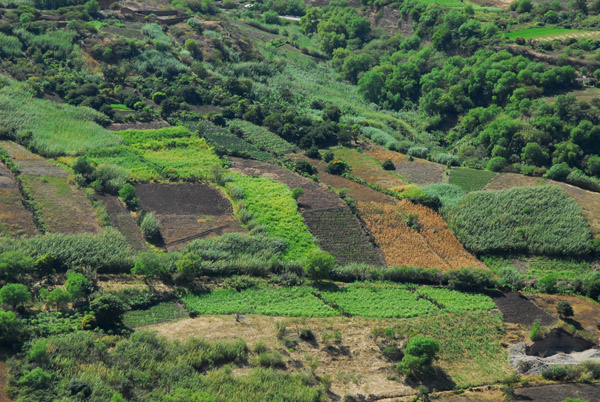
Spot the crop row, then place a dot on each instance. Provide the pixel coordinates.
(261, 137)
(375, 300)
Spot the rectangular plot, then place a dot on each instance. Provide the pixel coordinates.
(455, 301)
(292, 302)
(15, 219)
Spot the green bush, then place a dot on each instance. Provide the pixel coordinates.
(564, 309)
(318, 264)
(14, 294)
(127, 194)
(561, 373)
(536, 333)
(15, 264)
(150, 228)
(11, 328)
(470, 279)
(497, 164)
(388, 165)
(418, 356)
(337, 167)
(558, 172)
(108, 311)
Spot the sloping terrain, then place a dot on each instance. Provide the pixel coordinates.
(15, 219)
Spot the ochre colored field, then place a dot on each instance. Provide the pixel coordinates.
(431, 246)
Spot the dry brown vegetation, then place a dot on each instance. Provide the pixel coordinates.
(586, 312)
(368, 168)
(417, 171)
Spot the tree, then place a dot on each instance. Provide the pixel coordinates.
(127, 194)
(10, 327)
(108, 311)
(92, 8)
(564, 309)
(337, 167)
(150, 227)
(388, 165)
(14, 294)
(318, 264)
(559, 172)
(148, 265)
(593, 165)
(356, 64)
(78, 286)
(496, 164)
(58, 297)
(534, 154)
(371, 85)
(14, 264)
(332, 113)
(418, 356)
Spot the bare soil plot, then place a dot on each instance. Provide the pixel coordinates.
(326, 216)
(15, 219)
(417, 171)
(60, 206)
(586, 312)
(187, 211)
(559, 392)
(121, 219)
(518, 309)
(30, 163)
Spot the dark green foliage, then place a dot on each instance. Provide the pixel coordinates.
(108, 311)
(496, 164)
(328, 157)
(560, 373)
(392, 353)
(388, 165)
(14, 294)
(540, 220)
(470, 279)
(149, 265)
(78, 285)
(337, 167)
(559, 172)
(564, 309)
(15, 264)
(418, 356)
(58, 297)
(305, 167)
(10, 328)
(127, 194)
(297, 192)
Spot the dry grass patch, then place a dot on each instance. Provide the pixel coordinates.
(586, 311)
(15, 220)
(417, 171)
(368, 168)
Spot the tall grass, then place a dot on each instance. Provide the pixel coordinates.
(9, 45)
(540, 220)
(51, 129)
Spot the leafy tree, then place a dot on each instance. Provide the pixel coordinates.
(371, 86)
(356, 64)
(58, 297)
(189, 265)
(388, 165)
(418, 356)
(78, 285)
(15, 264)
(15, 294)
(127, 194)
(318, 264)
(149, 265)
(564, 309)
(559, 172)
(593, 165)
(108, 311)
(92, 8)
(332, 113)
(534, 154)
(10, 327)
(337, 167)
(497, 164)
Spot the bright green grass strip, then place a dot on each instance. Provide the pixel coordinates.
(470, 179)
(539, 32)
(289, 302)
(128, 158)
(272, 206)
(221, 301)
(156, 314)
(563, 269)
(195, 161)
(261, 137)
(146, 137)
(379, 301)
(453, 300)
(119, 106)
(56, 129)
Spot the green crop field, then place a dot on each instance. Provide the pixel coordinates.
(162, 312)
(128, 158)
(470, 179)
(262, 138)
(531, 33)
(455, 301)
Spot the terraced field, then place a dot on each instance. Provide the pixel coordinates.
(368, 168)
(187, 211)
(15, 219)
(121, 218)
(418, 171)
(327, 217)
(58, 205)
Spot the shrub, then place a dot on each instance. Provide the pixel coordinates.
(580, 179)
(78, 285)
(108, 311)
(560, 373)
(313, 153)
(337, 167)
(150, 227)
(558, 172)
(149, 265)
(388, 165)
(328, 157)
(58, 297)
(305, 167)
(306, 334)
(418, 152)
(392, 353)
(536, 333)
(14, 294)
(271, 17)
(236, 192)
(496, 164)
(127, 194)
(318, 264)
(272, 359)
(511, 277)
(297, 192)
(36, 379)
(418, 356)
(564, 309)
(470, 279)
(10, 328)
(14, 264)
(547, 283)
(446, 159)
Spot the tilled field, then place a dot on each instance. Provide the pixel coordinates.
(418, 171)
(518, 309)
(327, 217)
(121, 219)
(187, 211)
(15, 219)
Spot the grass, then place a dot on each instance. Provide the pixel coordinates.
(262, 138)
(455, 301)
(223, 139)
(128, 158)
(272, 206)
(367, 168)
(470, 179)
(567, 269)
(539, 220)
(162, 312)
(119, 106)
(539, 32)
(379, 301)
(55, 130)
(471, 350)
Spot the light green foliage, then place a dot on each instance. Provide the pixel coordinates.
(162, 312)
(261, 137)
(540, 220)
(59, 297)
(318, 264)
(9, 327)
(455, 301)
(14, 294)
(9, 46)
(449, 194)
(295, 302)
(128, 158)
(148, 265)
(539, 32)
(379, 301)
(419, 355)
(150, 227)
(78, 285)
(14, 264)
(272, 206)
(470, 179)
(64, 130)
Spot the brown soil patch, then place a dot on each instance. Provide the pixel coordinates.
(188, 211)
(504, 181)
(138, 126)
(326, 216)
(367, 168)
(417, 171)
(30, 163)
(121, 218)
(586, 312)
(61, 207)
(518, 309)
(7, 179)
(15, 219)
(355, 364)
(559, 392)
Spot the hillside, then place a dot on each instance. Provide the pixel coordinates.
(299, 200)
